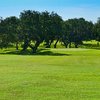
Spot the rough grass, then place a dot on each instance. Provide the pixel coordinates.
(60, 74)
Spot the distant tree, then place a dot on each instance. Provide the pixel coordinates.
(9, 31)
(76, 31)
(3, 36)
(31, 29)
(66, 36)
(51, 27)
(56, 27)
(97, 31)
(45, 27)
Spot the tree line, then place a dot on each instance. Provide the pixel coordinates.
(33, 28)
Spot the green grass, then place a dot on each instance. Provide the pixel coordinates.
(60, 74)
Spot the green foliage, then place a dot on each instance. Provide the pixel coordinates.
(33, 28)
(97, 30)
(76, 31)
(9, 32)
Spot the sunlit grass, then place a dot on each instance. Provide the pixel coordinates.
(60, 74)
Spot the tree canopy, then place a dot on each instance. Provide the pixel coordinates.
(33, 28)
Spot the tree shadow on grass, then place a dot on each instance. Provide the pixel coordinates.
(50, 53)
(40, 52)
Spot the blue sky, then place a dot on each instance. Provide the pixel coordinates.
(89, 9)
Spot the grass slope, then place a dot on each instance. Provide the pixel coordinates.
(60, 74)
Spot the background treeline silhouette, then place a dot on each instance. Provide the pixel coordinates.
(33, 28)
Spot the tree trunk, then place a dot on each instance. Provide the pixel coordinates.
(98, 44)
(76, 45)
(34, 48)
(55, 45)
(48, 45)
(17, 45)
(66, 44)
(70, 45)
(26, 44)
(51, 42)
